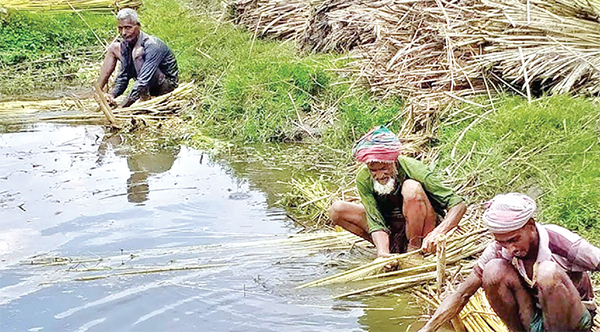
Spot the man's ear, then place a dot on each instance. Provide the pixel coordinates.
(531, 224)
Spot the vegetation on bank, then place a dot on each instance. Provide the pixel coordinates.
(256, 91)
(42, 51)
(548, 149)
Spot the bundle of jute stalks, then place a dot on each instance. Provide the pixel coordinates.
(533, 48)
(167, 104)
(258, 248)
(155, 108)
(76, 110)
(282, 19)
(339, 26)
(476, 316)
(68, 5)
(415, 269)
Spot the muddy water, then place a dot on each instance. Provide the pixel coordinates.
(101, 233)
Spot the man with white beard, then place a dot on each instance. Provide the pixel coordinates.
(402, 201)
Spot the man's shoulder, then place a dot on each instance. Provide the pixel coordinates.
(413, 168)
(152, 40)
(560, 235)
(409, 162)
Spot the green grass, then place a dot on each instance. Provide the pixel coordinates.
(28, 36)
(46, 51)
(253, 90)
(548, 149)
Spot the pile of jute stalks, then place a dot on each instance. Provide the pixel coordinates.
(75, 110)
(283, 19)
(430, 277)
(69, 5)
(154, 108)
(405, 46)
(414, 269)
(437, 52)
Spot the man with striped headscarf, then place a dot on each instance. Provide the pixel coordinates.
(401, 198)
(534, 276)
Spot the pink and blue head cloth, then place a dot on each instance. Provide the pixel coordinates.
(378, 145)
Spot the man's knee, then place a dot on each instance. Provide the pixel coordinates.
(336, 210)
(498, 272)
(412, 191)
(549, 274)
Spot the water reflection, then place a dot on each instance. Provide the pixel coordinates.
(67, 193)
(144, 159)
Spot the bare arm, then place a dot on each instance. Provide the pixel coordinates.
(109, 64)
(453, 304)
(381, 239)
(452, 219)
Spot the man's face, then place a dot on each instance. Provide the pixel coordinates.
(382, 172)
(129, 30)
(518, 243)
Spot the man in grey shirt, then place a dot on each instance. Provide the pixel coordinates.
(144, 58)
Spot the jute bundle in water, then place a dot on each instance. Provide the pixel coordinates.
(170, 103)
(468, 240)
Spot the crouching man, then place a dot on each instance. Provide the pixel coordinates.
(402, 200)
(143, 57)
(534, 276)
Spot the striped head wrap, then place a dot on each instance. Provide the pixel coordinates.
(379, 144)
(508, 212)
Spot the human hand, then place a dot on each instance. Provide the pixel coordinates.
(390, 266)
(430, 242)
(111, 100)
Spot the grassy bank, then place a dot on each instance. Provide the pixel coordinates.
(255, 90)
(49, 51)
(548, 149)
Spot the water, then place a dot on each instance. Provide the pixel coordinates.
(76, 202)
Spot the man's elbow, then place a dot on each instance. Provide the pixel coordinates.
(459, 210)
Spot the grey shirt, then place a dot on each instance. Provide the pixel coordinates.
(157, 56)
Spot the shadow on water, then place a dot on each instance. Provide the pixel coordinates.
(109, 232)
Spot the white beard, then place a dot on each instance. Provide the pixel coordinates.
(384, 189)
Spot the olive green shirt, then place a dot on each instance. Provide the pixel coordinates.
(439, 195)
